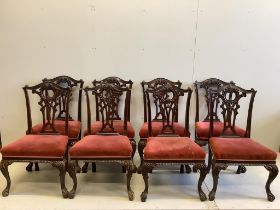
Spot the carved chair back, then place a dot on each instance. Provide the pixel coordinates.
(154, 84)
(230, 96)
(48, 94)
(127, 85)
(108, 96)
(203, 88)
(76, 89)
(167, 99)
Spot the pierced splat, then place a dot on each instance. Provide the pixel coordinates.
(206, 86)
(167, 98)
(49, 93)
(108, 97)
(154, 84)
(65, 82)
(120, 83)
(230, 96)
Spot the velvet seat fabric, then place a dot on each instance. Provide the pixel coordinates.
(240, 149)
(36, 146)
(157, 127)
(172, 148)
(202, 129)
(73, 127)
(118, 126)
(98, 146)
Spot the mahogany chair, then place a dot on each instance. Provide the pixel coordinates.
(232, 149)
(116, 116)
(107, 145)
(74, 124)
(157, 120)
(168, 147)
(49, 146)
(202, 127)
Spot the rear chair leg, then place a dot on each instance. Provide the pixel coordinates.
(273, 172)
(181, 169)
(37, 167)
(78, 168)
(85, 167)
(4, 169)
(241, 169)
(29, 167)
(93, 167)
(60, 165)
(188, 169)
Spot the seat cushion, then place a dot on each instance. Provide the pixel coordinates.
(98, 146)
(118, 126)
(157, 127)
(240, 149)
(74, 127)
(36, 146)
(202, 129)
(172, 148)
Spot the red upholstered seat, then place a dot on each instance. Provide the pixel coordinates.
(202, 129)
(240, 149)
(37, 146)
(98, 146)
(172, 148)
(73, 126)
(118, 126)
(156, 129)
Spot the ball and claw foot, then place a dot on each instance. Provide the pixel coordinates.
(131, 195)
(71, 194)
(202, 196)
(211, 196)
(29, 167)
(5, 193)
(241, 170)
(143, 196)
(270, 197)
(65, 193)
(188, 169)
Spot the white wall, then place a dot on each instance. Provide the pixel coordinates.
(140, 40)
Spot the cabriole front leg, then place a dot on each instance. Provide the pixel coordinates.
(273, 172)
(60, 165)
(129, 165)
(4, 169)
(72, 172)
(216, 168)
(203, 171)
(146, 168)
(141, 146)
